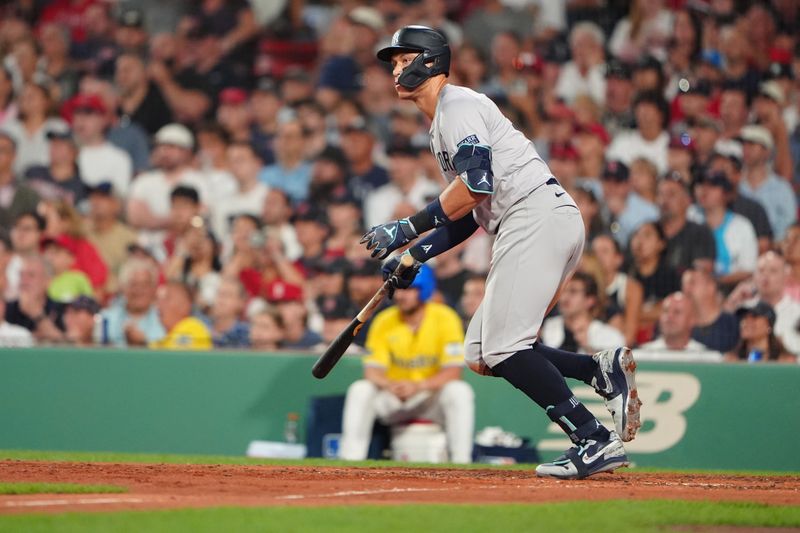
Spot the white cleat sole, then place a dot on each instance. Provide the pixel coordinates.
(634, 404)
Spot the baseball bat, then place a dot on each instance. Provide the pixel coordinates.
(334, 352)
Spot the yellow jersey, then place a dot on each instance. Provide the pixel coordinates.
(415, 355)
(188, 334)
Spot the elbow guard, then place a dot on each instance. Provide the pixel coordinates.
(473, 163)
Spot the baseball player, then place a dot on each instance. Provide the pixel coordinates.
(497, 180)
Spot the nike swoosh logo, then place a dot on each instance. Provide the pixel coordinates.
(588, 459)
(560, 194)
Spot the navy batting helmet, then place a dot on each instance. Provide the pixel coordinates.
(434, 57)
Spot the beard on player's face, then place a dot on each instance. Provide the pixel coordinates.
(407, 301)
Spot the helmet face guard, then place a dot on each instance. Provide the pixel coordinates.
(433, 58)
(417, 72)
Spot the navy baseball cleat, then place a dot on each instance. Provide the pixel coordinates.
(587, 458)
(616, 383)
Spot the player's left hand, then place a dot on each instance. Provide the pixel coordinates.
(384, 239)
(402, 280)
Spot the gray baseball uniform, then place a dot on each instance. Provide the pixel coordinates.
(540, 232)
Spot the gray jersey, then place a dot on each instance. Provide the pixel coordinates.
(465, 116)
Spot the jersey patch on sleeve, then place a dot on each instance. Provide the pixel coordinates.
(471, 139)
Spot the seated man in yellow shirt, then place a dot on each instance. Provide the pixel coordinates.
(413, 371)
(184, 332)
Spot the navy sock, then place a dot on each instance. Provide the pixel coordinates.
(541, 381)
(571, 365)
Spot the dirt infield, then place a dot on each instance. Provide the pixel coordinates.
(154, 486)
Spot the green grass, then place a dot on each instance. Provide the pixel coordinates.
(617, 516)
(57, 488)
(114, 457)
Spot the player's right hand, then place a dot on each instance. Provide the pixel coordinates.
(384, 239)
(402, 280)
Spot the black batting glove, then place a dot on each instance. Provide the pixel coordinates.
(402, 280)
(384, 239)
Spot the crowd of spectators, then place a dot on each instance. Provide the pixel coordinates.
(198, 173)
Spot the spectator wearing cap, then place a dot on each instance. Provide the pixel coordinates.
(585, 72)
(233, 113)
(289, 304)
(98, 159)
(33, 309)
(623, 210)
(737, 53)
(727, 158)
(767, 109)
(212, 160)
(675, 326)
(617, 114)
(704, 133)
(107, 232)
(12, 335)
(781, 74)
(680, 155)
(358, 145)
(15, 198)
(266, 331)
(184, 331)
(265, 102)
(735, 238)
(761, 183)
(60, 180)
(297, 87)
(248, 197)
(141, 101)
(70, 14)
(714, 327)
(689, 244)
(733, 110)
(645, 30)
(339, 79)
(591, 141)
(650, 138)
(407, 185)
(367, 27)
(67, 282)
(132, 318)
(291, 172)
(79, 321)
(187, 94)
(692, 101)
(149, 200)
(29, 130)
(758, 339)
(227, 327)
(564, 162)
(769, 285)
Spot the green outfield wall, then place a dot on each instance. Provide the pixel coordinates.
(732, 416)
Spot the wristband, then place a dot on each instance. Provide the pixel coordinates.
(433, 216)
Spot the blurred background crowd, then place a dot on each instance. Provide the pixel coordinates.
(198, 173)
